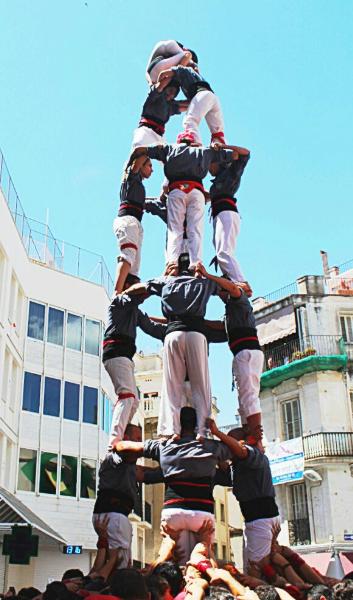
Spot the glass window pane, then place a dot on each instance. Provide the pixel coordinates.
(90, 405)
(88, 478)
(74, 332)
(68, 479)
(55, 326)
(48, 473)
(343, 328)
(51, 397)
(92, 339)
(31, 392)
(36, 321)
(27, 470)
(71, 401)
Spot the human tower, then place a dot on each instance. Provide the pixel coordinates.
(188, 459)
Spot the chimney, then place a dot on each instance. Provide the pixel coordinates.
(325, 266)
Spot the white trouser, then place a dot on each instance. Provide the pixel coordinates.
(188, 522)
(121, 372)
(247, 370)
(119, 535)
(184, 352)
(226, 227)
(144, 136)
(257, 540)
(129, 232)
(173, 53)
(204, 104)
(190, 206)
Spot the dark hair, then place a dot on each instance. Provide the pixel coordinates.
(267, 592)
(157, 585)
(130, 427)
(28, 593)
(72, 574)
(343, 590)
(319, 590)
(57, 590)
(348, 576)
(188, 418)
(131, 279)
(172, 573)
(183, 263)
(129, 584)
(218, 592)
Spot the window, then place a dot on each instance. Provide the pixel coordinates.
(48, 473)
(88, 478)
(68, 479)
(223, 518)
(31, 392)
(347, 327)
(292, 425)
(56, 326)
(51, 397)
(224, 552)
(71, 401)
(298, 525)
(27, 470)
(74, 332)
(92, 339)
(90, 405)
(36, 321)
(107, 413)
(6, 375)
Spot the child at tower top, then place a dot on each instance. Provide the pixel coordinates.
(203, 102)
(127, 225)
(167, 54)
(226, 219)
(185, 166)
(159, 106)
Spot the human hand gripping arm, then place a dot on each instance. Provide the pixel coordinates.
(236, 448)
(228, 286)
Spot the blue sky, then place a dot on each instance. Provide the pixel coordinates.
(71, 89)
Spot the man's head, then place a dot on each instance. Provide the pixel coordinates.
(218, 592)
(129, 584)
(133, 433)
(184, 264)
(343, 590)
(320, 592)
(171, 90)
(159, 587)
(267, 592)
(146, 169)
(130, 280)
(188, 419)
(28, 593)
(172, 573)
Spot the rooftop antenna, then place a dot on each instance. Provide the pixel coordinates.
(325, 266)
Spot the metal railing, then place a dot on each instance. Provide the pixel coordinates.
(299, 531)
(297, 349)
(41, 245)
(283, 292)
(328, 444)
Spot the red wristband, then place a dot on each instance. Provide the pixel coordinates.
(269, 572)
(203, 565)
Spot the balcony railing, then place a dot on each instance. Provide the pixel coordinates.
(311, 345)
(299, 531)
(328, 444)
(41, 245)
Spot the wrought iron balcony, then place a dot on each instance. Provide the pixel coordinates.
(294, 350)
(328, 444)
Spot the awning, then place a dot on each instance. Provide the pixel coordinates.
(14, 512)
(347, 561)
(276, 326)
(318, 560)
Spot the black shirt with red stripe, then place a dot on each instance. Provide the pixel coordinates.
(132, 196)
(226, 184)
(240, 324)
(188, 467)
(157, 110)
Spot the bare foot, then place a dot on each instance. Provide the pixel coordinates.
(200, 438)
(175, 437)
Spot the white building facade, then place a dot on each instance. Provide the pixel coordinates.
(306, 331)
(56, 398)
